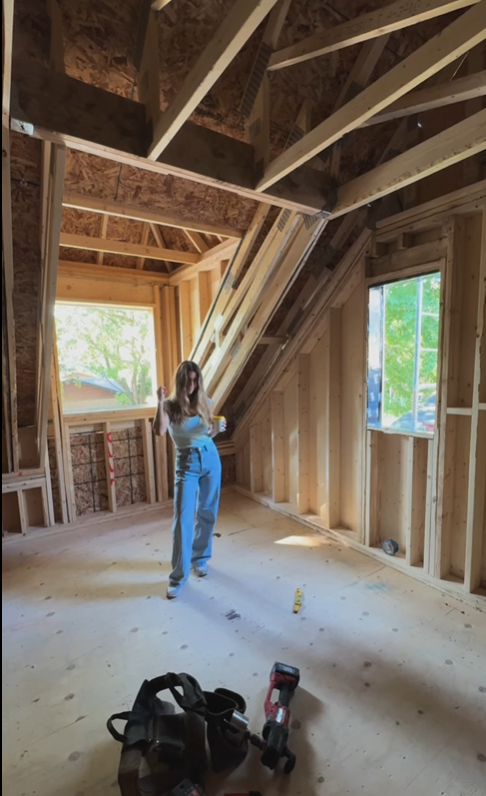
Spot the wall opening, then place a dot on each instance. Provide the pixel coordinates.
(403, 341)
(106, 356)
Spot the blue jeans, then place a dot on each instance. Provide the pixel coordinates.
(196, 502)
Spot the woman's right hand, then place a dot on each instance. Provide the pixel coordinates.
(161, 394)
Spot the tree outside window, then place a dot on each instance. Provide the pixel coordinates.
(106, 356)
(403, 339)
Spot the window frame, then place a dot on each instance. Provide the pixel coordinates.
(381, 280)
(124, 412)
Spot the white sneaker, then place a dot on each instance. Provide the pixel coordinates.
(201, 570)
(173, 592)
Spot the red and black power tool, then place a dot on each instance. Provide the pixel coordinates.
(285, 680)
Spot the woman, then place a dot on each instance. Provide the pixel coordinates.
(188, 417)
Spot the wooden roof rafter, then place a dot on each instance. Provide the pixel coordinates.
(390, 18)
(235, 30)
(459, 37)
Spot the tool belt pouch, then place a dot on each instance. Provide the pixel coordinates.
(162, 747)
(227, 749)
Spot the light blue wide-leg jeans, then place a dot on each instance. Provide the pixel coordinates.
(196, 502)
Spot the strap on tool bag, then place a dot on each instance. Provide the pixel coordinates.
(153, 728)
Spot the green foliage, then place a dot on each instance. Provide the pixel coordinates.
(108, 342)
(400, 307)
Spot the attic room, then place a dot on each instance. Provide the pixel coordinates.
(244, 397)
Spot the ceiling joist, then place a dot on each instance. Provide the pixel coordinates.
(90, 204)
(395, 16)
(459, 37)
(88, 243)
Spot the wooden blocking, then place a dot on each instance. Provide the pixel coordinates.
(333, 372)
(476, 500)
(303, 431)
(256, 463)
(416, 500)
(266, 441)
(279, 491)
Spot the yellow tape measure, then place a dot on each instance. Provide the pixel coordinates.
(298, 601)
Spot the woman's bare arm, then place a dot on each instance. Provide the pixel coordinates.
(161, 422)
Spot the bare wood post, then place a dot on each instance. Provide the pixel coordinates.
(476, 501)
(110, 466)
(303, 410)
(148, 456)
(256, 470)
(279, 492)
(49, 284)
(333, 366)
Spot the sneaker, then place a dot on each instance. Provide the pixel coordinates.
(173, 592)
(200, 570)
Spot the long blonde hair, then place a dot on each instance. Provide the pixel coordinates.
(180, 404)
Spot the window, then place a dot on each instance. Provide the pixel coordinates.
(106, 356)
(403, 339)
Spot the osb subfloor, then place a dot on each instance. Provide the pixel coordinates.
(393, 674)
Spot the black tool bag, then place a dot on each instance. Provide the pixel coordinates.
(160, 746)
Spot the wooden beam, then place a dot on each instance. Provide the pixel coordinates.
(476, 502)
(238, 25)
(464, 88)
(332, 508)
(358, 78)
(57, 108)
(225, 293)
(197, 240)
(143, 242)
(8, 21)
(148, 80)
(56, 49)
(110, 467)
(49, 265)
(279, 492)
(111, 273)
(160, 241)
(91, 204)
(388, 19)
(256, 464)
(263, 267)
(342, 275)
(459, 37)
(289, 265)
(458, 142)
(87, 243)
(204, 262)
(9, 368)
(103, 233)
(303, 433)
(269, 42)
